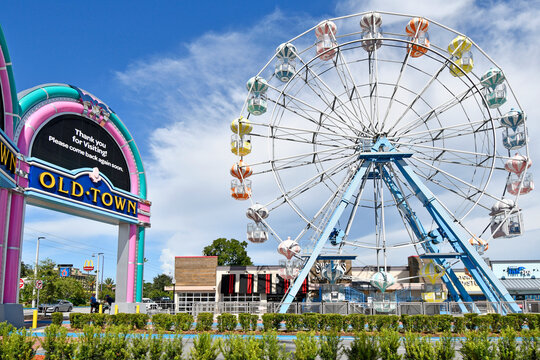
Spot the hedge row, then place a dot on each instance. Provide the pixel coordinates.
(129, 321)
(415, 323)
(116, 343)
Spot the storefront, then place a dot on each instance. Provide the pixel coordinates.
(520, 277)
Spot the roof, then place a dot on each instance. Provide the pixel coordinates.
(522, 284)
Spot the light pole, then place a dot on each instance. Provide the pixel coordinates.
(97, 274)
(35, 272)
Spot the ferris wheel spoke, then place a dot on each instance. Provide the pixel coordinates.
(482, 191)
(457, 151)
(463, 163)
(396, 87)
(301, 104)
(436, 133)
(336, 98)
(457, 99)
(351, 90)
(308, 137)
(314, 180)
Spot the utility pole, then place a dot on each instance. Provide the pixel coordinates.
(35, 272)
(97, 274)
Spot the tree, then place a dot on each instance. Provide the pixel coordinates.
(229, 252)
(155, 289)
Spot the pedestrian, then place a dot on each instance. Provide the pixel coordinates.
(93, 304)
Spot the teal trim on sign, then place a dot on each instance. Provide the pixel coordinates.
(12, 88)
(140, 265)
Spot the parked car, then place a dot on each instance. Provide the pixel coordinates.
(150, 304)
(55, 306)
(165, 302)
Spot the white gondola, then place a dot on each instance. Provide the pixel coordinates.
(240, 145)
(256, 233)
(514, 138)
(286, 59)
(495, 97)
(506, 219)
(514, 185)
(371, 31)
(241, 190)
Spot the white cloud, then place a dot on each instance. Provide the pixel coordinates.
(194, 95)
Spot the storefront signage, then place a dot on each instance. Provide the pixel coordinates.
(72, 142)
(516, 269)
(319, 271)
(8, 160)
(86, 188)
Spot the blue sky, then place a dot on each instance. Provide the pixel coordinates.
(175, 73)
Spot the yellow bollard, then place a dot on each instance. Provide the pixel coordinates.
(115, 309)
(34, 320)
(100, 309)
(137, 309)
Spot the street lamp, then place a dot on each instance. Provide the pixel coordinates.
(35, 271)
(97, 272)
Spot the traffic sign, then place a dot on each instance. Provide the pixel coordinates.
(88, 265)
(21, 283)
(39, 284)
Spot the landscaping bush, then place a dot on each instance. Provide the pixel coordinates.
(204, 348)
(458, 325)
(469, 324)
(371, 323)
(226, 322)
(183, 321)
(138, 346)
(332, 322)
(239, 348)
(16, 344)
(57, 318)
(507, 345)
(293, 322)
(495, 322)
(481, 323)
(268, 321)
(306, 346)
(330, 346)
(204, 322)
(389, 345)
(363, 347)
(173, 349)
(254, 322)
(163, 322)
(98, 319)
(245, 321)
(418, 348)
(89, 346)
(155, 347)
(407, 323)
(445, 347)
(310, 321)
(272, 349)
(357, 322)
(530, 345)
(444, 322)
(76, 320)
(114, 343)
(477, 346)
(386, 322)
(56, 343)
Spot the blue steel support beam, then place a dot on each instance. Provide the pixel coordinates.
(345, 200)
(450, 279)
(481, 273)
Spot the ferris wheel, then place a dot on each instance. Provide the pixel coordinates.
(370, 131)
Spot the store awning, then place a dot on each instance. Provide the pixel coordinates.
(532, 285)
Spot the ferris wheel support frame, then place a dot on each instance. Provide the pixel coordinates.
(492, 288)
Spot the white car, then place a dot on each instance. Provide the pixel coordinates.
(150, 304)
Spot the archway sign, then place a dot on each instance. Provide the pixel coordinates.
(71, 153)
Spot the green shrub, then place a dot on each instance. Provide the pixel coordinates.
(115, 343)
(495, 322)
(371, 322)
(386, 322)
(140, 321)
(226, 322)
(311, 321)
(333, 322)
(155, 346)
(481, 323)
(306, 346)
(458, 325)
(469, 324)
(204, 348)
(477, 346)
(17, 344)
(254, 322)
(533, 321)
(204, 322)
(56, 343)
(418, 348)
(89, 343)
(507, 345)
(444, 322)
(98, 319)
(445, 347)
(239, 348)
(245, 321)
(357, 322)
(57, 318)
(293, 322)
(363, 347)
(75, 320)
(183, 321)
(272, 349)
(138, 346)
(389, 345)
(174, 348)
(330, 346)
(514, 321)
(407, 323)
(268, 321)
(163, 322)
(530, 345)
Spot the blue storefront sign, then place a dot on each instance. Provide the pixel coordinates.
(87, 188)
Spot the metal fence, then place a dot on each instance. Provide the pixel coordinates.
(345, 308)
